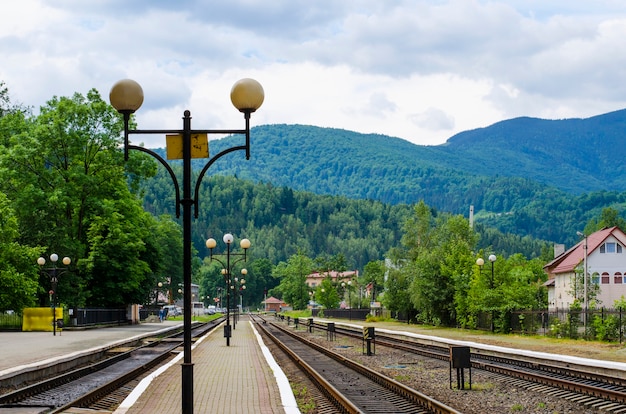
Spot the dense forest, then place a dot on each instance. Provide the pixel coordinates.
(280, 221)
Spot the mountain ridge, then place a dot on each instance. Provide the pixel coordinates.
(525, 176)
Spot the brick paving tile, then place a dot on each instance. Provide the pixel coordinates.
(227, 379)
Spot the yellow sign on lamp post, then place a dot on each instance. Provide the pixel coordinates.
(199, 146)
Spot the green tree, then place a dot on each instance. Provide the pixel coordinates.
(116, 267)
(517, 284)
(211, 281)
(439, 248)
(260, 280)
(292, 275)
(326, 294)
(374, 272)
(167, 265)
(18, 273)
(609, 217)
(65, 175)
(396, 297)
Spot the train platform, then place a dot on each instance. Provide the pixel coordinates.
(240, 378)
(25, 350)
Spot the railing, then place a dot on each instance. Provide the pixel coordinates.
(10, 322)
(605, 324)
(97, 316)
(352, 314)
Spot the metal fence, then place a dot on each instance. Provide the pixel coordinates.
(97, 316)
(605, 324)
(10, 322)
(351, 314)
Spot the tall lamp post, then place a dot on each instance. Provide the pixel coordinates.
(156, 296)
(218, 299)
(53, 272)
(585, 247)
(240, 289)
(126, 96)
(480, 262)
(227, 269)
(492, 259)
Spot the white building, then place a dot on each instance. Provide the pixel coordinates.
(605, 263)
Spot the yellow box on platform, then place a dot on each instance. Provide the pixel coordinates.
(40, 319)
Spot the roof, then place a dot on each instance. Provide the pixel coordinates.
(272, 299)
(334, 274)
(570, 259)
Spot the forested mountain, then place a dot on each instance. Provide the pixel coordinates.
(574, 155)
(524, 176)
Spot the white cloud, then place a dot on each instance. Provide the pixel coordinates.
(422, 70)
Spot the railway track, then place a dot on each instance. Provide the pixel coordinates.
(602, 390)
(106, 382)
(347, 385)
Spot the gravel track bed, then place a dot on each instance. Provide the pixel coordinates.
(490, 393)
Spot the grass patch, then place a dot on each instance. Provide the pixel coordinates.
(482, 386)
(306, 404)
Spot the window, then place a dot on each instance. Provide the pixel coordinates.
(617, 278)
(595, 279)
(605, 278)
(611, 247)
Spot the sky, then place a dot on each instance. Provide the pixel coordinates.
(421, 70)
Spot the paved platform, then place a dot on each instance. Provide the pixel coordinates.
(239, 379)
(27, 349)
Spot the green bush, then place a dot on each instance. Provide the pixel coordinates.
(607, 329)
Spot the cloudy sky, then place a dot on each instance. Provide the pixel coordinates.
(421, 70)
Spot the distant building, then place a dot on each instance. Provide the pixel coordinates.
(315, 279)
(606, 266)
(272, 304)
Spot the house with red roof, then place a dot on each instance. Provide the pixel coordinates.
(603, 254)
(273, 305)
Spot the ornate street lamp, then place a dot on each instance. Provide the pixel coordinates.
(492, 259)
(227, 269)
(247, 96)
(585, 270)
(53, 272)
(480, 262)
(238, 287)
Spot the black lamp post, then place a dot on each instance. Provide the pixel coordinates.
(127, 96)
(238, 287)
(492, 259)
(53, 272)
(480, 262)
(156, 295)
(585, 270)
(227, 271)
(218, 300)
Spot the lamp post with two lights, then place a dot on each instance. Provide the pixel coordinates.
(238, 287)
(585, 272)
(480, 262)
(53, 272)
(126, 96)
(227, 269)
